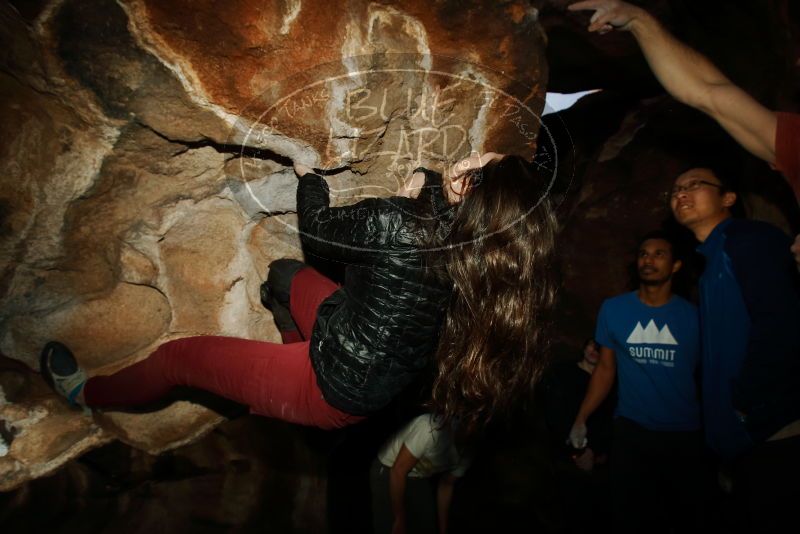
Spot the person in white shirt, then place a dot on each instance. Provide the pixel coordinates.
(402, 473)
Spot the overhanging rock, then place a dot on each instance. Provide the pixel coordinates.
(146, 156)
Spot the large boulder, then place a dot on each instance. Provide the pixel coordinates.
(146, 160)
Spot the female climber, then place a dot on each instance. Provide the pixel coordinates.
(474, 243)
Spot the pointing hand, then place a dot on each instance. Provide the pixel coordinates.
(608, 14)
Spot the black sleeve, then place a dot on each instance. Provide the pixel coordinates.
(433, 186)
(350, 233)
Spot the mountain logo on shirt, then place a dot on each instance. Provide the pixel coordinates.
(651, 335)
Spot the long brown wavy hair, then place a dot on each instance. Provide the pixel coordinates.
(493, 345)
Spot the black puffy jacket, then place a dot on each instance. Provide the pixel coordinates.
(376, 332)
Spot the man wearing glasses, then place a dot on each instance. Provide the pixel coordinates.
(750, 332)
(749, 296)
(693, 80)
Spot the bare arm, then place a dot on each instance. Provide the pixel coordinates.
(403, 464)
(444, 496)
(689, 76)
(599, 386)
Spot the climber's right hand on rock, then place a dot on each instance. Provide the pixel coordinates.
(577, 436)
(301, 170)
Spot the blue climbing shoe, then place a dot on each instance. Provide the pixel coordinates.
(61, 371)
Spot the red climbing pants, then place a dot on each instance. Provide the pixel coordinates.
(273, 379)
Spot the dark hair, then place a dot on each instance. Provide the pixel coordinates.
(493, 346)
(588, 341)
(664, 236)
(682, 242)
(723, 168)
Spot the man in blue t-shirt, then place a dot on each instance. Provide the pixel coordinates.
(650, 343)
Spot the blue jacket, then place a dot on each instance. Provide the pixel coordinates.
(750, 330)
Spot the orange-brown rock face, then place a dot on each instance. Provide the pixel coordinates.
(146, 155)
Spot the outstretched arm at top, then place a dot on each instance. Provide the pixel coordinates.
(689, 76)
(692, 79)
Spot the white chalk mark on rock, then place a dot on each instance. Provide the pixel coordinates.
(293, 9)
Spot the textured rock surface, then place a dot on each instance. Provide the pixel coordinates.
(39, 431)
(144, 142)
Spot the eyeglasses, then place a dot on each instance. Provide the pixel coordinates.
(690, 187)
